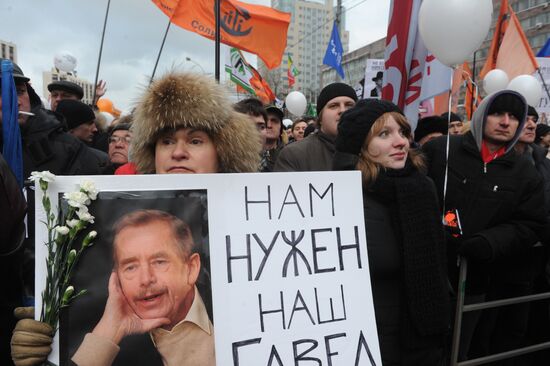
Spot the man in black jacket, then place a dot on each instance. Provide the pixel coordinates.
(495, 192)
(45, 145)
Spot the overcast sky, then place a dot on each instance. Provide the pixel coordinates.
(43, 28)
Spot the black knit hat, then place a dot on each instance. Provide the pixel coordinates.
(533, 112)
(454, 117)
(67, 86)
(332, 91)
(509, 102)
(75, 112)
(541, 131)
(356, 122)
(429, 125)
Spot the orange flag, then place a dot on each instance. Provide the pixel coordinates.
(515, 55)
(254, 28)
(441, 101)
(500, 29)
(261, 87)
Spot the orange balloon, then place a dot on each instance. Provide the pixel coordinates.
(105, 105)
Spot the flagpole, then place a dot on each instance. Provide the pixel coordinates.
(473, 82)
(101, 49)
(218, 38)
(160, 50)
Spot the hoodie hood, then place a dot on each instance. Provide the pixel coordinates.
(185, 100)
(480, 116)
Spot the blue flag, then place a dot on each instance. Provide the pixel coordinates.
(333, 56)
(12, 150)
(545, 51)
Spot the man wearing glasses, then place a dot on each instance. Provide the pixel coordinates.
(119, 141)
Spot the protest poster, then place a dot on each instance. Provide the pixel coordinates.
(543, 108)
(284, 267)
(374, 71)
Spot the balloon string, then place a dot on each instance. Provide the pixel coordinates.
(447, 146)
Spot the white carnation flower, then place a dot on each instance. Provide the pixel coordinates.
(85, 216)
(88, 186)
(72, 223)
(46, 176)
(92, 234)
(77, 199)
(62, 230)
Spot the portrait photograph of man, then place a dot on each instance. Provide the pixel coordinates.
(153, 265)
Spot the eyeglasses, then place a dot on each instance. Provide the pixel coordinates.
(117, 139)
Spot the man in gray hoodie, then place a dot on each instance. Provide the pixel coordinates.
(495, 193)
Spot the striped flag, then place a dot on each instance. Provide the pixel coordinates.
(292, 72)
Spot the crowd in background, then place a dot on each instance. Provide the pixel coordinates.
(489, 177)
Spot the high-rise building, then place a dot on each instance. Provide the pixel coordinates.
(307, 40)
(8, 50)
(57, 75)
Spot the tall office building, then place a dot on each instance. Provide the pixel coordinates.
(57, 75)
(307, 40)
(8, 50)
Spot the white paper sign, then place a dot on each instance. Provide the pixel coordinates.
(288, 264)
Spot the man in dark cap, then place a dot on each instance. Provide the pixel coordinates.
(455, 123)
(542, 137)
(273, 141)
(63, 90)
(494, 193)
(428, 128)
(315, 152)
(80, 120)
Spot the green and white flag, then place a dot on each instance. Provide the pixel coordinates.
(239, 70)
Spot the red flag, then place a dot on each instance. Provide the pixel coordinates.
(472, 98)
(398, 52)
(254, 28)
(515, 55)
(500, 29)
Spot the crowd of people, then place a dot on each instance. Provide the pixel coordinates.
(488, 177)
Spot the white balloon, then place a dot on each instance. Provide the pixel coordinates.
(296, 103)
(453, 29)
(495, 80)
(529, 87)
(65, 61)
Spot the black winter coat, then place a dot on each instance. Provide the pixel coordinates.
(500, 201)
(46, 146)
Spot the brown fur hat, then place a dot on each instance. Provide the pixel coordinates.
(185, 100)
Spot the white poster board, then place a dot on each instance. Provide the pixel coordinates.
(374, 66)
(288, 260)
(543, 108)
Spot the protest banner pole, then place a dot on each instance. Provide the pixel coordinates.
(160, 50)
(101, 48)
(218, 38)
(473, 82)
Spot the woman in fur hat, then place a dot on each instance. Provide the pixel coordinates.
(184, 123)
(405, 238)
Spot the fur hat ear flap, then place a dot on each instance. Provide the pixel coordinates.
(238, 145)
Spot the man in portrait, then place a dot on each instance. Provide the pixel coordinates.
(152, 289)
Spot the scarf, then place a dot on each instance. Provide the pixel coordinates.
(415, 218)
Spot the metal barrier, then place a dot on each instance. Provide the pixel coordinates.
(461, 308)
